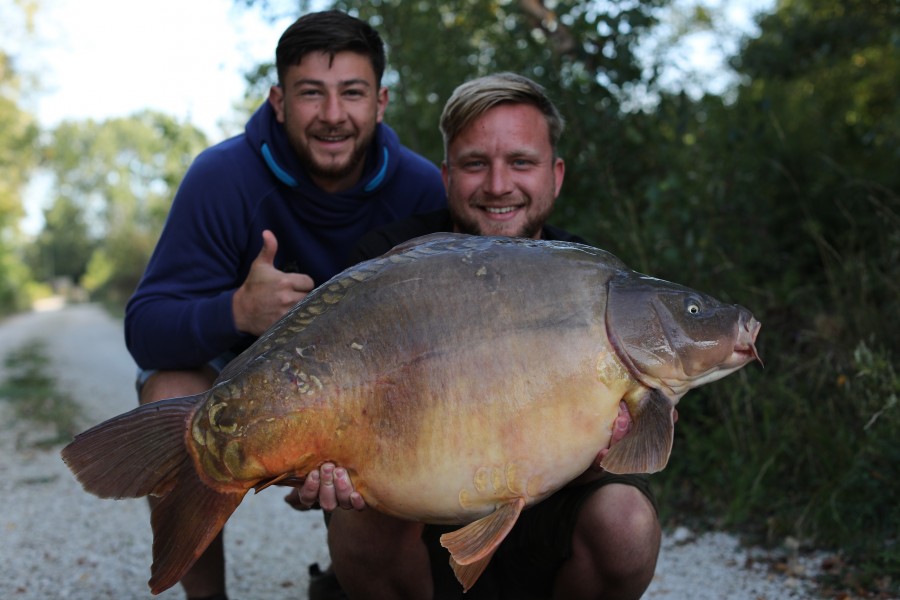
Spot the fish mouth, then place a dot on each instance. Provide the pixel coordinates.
(745, 348)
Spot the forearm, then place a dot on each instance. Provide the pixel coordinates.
(166, 333)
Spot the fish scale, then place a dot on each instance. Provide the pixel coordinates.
(430, 374)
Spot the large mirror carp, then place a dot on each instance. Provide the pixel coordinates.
(458, 379)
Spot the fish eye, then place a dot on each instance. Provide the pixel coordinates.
(693, 307)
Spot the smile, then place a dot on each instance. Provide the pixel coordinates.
(336, 138)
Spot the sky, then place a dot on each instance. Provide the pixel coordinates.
(102, 59)
(109, 58)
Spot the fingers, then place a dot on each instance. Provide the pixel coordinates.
(347, 497)
(337, 490)
(306, 496)
(327, 496)
(622, 424)
(269, 249)
(302, 283)
(297, 282)
(293, 498)
(620, 428)
(330, 487)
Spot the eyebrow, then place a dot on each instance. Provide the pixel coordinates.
(513, 154)
(344, 83)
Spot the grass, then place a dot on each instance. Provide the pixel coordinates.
(34, 396)
(805, 450)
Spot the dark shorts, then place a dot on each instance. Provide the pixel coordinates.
(526, 563)
(217, 364)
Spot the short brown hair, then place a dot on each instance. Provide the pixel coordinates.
(329, 31)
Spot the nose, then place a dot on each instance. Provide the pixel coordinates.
(332, 109)
(499, 181)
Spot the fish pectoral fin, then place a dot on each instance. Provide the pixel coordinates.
(472, 546)
(647, 446)
(274, 481)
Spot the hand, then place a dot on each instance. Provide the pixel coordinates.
(267, 293)
(621, 427)
(328, 485)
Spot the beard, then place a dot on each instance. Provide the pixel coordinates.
(463, 222)
(332, 171)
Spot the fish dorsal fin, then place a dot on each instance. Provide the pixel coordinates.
(647, 446)
(472, 546)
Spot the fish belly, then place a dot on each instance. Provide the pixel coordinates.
(467, 432)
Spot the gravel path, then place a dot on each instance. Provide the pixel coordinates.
(56, 541)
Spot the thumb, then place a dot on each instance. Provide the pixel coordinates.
(270, 247)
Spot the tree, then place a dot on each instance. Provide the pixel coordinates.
(120, 175)
(788, 194)
(64, 246)
(781, 193)
(18, 133)
(585, 53)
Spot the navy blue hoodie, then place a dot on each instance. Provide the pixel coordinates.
(180, 316)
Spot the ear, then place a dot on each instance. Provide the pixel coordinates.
(445, 175)
(276, 99)
(382, 104)
(559, 172)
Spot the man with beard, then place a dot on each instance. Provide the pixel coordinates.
(262, 218)
(600, 535)
(501, 177)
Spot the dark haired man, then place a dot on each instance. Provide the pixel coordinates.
(262, 218)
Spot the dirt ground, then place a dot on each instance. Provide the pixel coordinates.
(56, 541)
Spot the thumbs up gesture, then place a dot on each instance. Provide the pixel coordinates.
(267, 293)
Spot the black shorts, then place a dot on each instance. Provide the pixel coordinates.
(526, 563)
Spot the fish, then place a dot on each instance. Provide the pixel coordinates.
(458, 379)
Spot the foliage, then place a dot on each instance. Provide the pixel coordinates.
(787, 199)
(113, 185)
(34, 395)
(584, 53)
(781, 194)
(64, 246)
(18, 133)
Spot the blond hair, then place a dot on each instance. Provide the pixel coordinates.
(474, 98)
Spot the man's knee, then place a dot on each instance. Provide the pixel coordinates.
(376, 556)
(623, 509)
(175, 384)
(619, 532)
(370, 536)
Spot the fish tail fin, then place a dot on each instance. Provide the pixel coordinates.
(143, 453)
(185, 521)
(135, 454)
(472, 547)
(647, 446)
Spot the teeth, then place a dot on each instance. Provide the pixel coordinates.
(500, 211)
